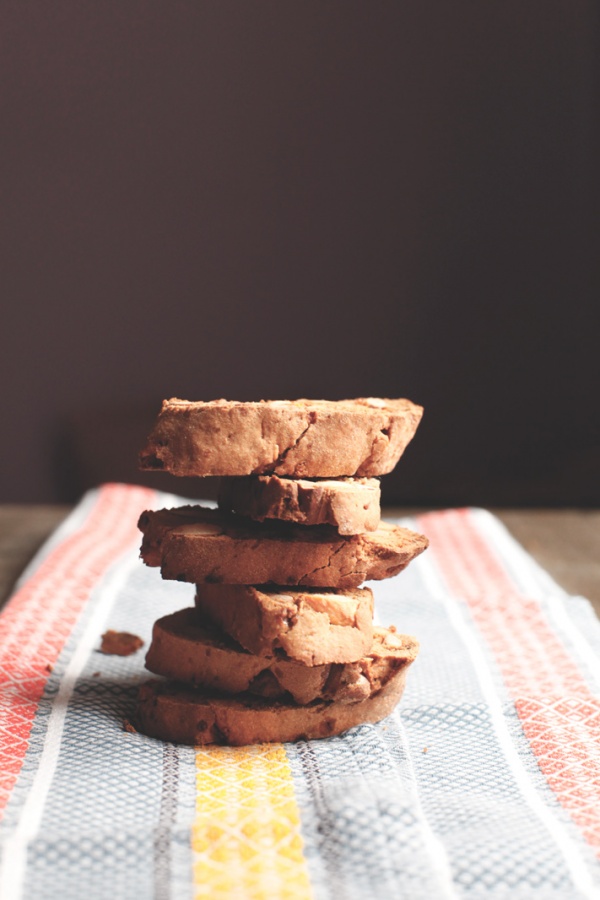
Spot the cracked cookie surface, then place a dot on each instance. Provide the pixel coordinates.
(207, 546)
(297, 438)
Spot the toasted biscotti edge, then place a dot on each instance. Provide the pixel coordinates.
(185, 648)
(301, 438)
(181, 715)
(310, 626)
(352, 505)
(204, 546)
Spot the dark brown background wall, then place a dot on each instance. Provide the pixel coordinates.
(279, 199)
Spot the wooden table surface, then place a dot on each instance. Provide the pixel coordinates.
(565, 542)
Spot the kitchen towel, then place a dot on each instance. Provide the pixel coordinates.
(484, 783)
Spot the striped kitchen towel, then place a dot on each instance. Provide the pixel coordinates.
(485, 782)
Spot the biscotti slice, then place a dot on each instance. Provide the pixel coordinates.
(299, 438)
(207, 546)
(172, 712)
(185, 648)
(309, 625)
(352, 505)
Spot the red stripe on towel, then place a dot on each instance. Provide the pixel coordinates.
(558, 713)
(39, 618)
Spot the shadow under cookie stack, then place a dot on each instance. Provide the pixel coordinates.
(280, 645)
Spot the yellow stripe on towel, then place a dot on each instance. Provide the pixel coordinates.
(246, 834)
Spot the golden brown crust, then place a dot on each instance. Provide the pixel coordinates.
(207, 546)
(298, 438)
(311, 626)
(172, 712)
(187, 649)
(352, 505)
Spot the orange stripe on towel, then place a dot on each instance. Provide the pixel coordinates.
(40, 616)
(559, 715)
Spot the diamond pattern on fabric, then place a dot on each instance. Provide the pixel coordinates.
(246, 836)
(360, 816)
(465, 791)
(559, 715)
(40, 616)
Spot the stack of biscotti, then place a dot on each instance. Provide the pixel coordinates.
(280, 644)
